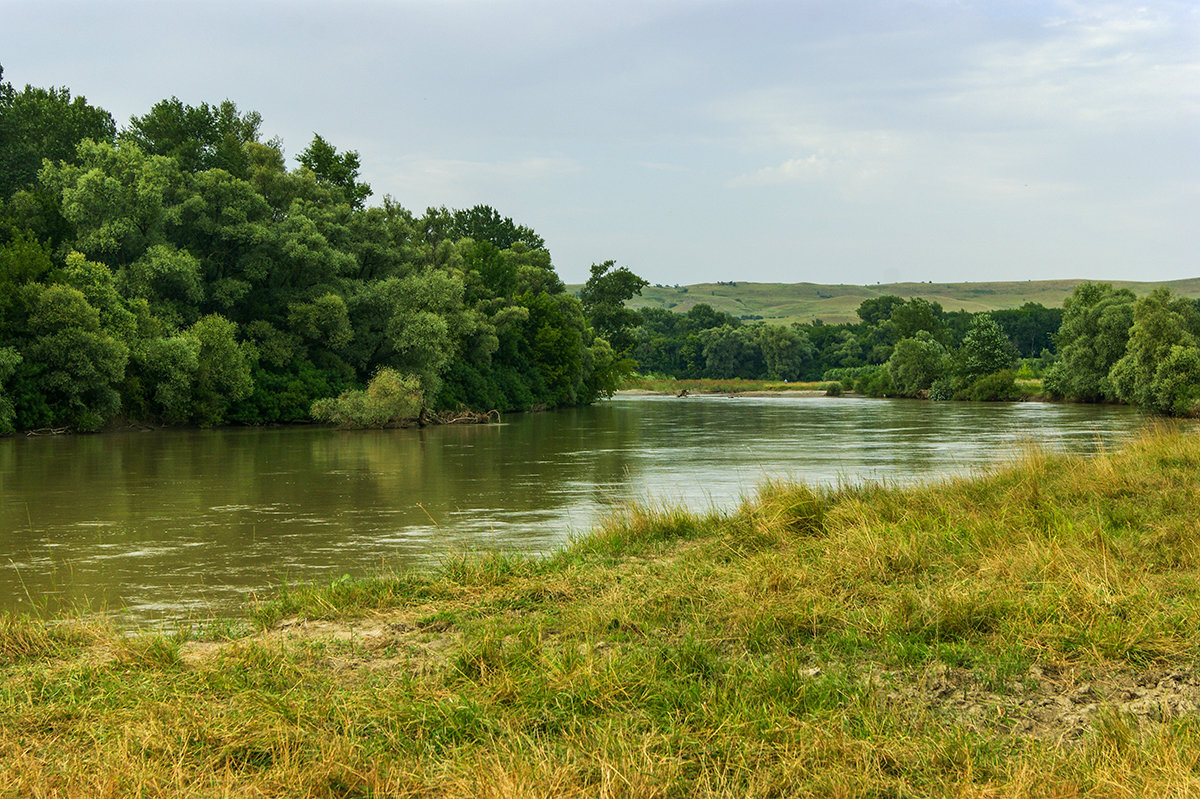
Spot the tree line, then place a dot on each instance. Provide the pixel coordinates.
(174, 270)
(705, 343)
(1104, 344)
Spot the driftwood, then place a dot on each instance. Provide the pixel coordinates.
(48, 431)
(683, 393)
(462, 417)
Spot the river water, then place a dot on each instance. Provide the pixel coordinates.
(166, 526)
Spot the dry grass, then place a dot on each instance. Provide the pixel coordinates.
(1028, 632)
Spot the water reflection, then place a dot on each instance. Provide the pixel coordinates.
(169, 524)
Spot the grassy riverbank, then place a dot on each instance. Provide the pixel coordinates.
(1029, 389)
(708, 386)
(1029, 632)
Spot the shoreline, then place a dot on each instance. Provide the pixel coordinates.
(799, 392)
(1027, 630)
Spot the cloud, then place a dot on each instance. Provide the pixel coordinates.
(1112, 64)
(1057, 107)
(791, 170)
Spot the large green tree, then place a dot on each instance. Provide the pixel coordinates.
(1092, 338)
(604, 296)
(985, 350)
(785, 351)
(43, 124)
(916, 363)
(197, 137)
(338, 170)
(1160, 369)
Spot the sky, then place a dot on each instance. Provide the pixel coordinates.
(703, 140)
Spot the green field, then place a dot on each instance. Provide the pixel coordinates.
(784, 303)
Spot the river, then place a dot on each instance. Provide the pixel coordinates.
(167, 526)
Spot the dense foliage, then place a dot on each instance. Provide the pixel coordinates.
(176, 271)
(899, 348)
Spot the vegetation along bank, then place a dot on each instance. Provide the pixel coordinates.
(1104, 345)
(1027, 632)
(175, 271)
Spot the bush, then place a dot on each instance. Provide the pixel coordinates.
(943, 390)
(997, 387)
(877, 384)
(851, 373)
(832, 388)
(391, 400)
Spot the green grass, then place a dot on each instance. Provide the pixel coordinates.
(784, 303)
(711, 386)
(863, 641)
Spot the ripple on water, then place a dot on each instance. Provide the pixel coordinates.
(167, 524)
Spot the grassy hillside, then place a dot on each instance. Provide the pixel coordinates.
(784, 303)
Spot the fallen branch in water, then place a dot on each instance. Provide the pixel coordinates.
(461, 417)
(48, 431)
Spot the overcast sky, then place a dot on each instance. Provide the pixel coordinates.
(830, 142)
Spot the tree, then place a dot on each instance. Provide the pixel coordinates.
(9, 359)
(1177, 382)
(703, 316)
(37, 124)
(785, 351)
(731, 352)
(167, 278)
(876, 310)
(845, 350)
(604, 297)
(337, 171)
(74, 363)
(1091, 339)
(915, 315)
(552, 341)
(1031, 328)
(985, 350)
(197, 137)
(916, 363)
(222, 369)
(115, 198)
(484, 223)
(1159, 370)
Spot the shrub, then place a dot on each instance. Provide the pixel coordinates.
(877, 384)
(832, 388)
(852, 373)
(391, 400)
(943, 389)
(997, 387)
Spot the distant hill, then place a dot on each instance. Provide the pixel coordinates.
(784, 303)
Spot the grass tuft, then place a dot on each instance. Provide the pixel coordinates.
(25, 638)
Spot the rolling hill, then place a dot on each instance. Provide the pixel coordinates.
(784, 303)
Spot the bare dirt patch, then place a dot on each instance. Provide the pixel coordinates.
(1052, 705)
